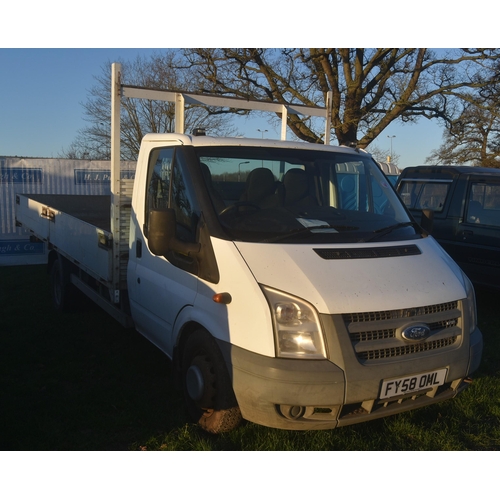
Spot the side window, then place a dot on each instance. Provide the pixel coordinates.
(408, 192)
(158, 187)
(483, 206)
(183, 201)
(433, 196)
(167, 188)
(419, 195)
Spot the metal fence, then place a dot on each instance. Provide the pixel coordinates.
(45, 176)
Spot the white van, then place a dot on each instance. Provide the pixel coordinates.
(299, 267)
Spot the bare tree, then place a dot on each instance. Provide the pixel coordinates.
(473, 136)
(383, 155)
(161, 71)
(371, 87)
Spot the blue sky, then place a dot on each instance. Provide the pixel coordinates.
(42, 92)
(41, 96)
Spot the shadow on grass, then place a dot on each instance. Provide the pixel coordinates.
(81, 382)
(77, 381)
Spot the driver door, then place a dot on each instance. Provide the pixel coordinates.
(163, 286)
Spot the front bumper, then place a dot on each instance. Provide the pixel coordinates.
(476, 350)
(307, 394)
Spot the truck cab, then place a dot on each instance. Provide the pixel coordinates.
(465, 202)
(290, 286)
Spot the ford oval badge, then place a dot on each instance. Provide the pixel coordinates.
(416, 332)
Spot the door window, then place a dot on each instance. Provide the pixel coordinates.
(158, 187)
(168, 188)
(484, 204)
(420, 195)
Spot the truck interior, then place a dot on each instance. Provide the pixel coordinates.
(270, 194)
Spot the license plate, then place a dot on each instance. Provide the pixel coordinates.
(413, 383)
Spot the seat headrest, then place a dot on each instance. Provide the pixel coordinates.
(260, 183)
(295, 182)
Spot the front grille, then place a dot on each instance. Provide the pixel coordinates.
(376, 336)
(400, 313)
(407, 349)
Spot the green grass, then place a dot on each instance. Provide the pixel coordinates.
(82, 382)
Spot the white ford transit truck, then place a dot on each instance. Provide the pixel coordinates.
(286, 281)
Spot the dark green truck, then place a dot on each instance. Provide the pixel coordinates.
(464, 206)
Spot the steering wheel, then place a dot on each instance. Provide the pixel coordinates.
(239, 204)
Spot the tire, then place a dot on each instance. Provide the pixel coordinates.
(62, 290)
(207, 387)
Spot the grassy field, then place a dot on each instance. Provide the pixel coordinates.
(82, 382)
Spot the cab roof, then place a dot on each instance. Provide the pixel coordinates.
(204, 140)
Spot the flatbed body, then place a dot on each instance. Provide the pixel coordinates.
(77, 226)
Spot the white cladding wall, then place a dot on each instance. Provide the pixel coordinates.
(45, 176)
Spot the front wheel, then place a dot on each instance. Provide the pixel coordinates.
(207, 387)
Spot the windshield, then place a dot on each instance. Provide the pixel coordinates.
(295, 195)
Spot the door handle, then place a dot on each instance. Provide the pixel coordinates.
(138, 248)
(467, 234)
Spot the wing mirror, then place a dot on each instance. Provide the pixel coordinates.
(162, 234)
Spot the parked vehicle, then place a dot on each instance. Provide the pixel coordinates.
(391, 171)
(286, 280)
(465, 203)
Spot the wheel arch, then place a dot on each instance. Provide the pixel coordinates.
(192, 318)
(185, 331)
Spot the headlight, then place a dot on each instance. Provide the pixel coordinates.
(471, 303)
(297, 330)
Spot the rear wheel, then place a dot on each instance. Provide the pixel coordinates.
(62, 290)
(208, 391)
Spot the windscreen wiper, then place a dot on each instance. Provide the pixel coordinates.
(378, 233)
(296, 232)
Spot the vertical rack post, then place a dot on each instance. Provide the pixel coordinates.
(284, 120)
(328, 116)
(179, 113)
(115, 176)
